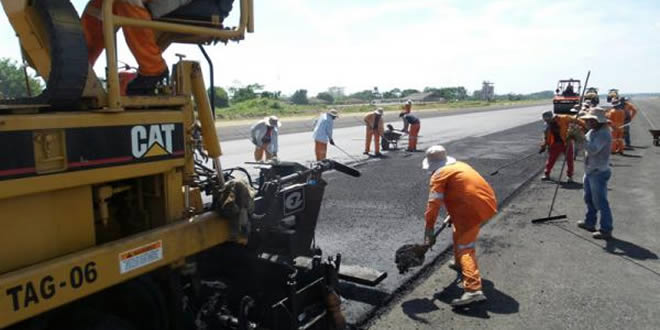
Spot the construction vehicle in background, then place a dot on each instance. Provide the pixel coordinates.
(104, 224)
(592, 96)
(566, 96)
(612, 94)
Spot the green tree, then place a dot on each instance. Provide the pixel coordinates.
(300, 97)
(365, 95)
(336, 92)
(12, 80)
(249, 92)
(220, 97)
(407, 92)
(392, 94)
(325, 96)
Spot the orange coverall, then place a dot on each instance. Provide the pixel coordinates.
(470, 201)
(141, 41)
(375, 129)
(617, 118)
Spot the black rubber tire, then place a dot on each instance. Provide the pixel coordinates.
(68, 54)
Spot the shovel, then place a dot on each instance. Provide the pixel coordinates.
(412, 255)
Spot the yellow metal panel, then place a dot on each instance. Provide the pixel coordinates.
(44, 183)
(173, 199)
(50, 150)
(34, 290)
(86, 119)
(39, 227)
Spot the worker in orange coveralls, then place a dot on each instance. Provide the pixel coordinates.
(375, 129)
(617, 118)
(470, 201)
(557, 142)
(142, 42)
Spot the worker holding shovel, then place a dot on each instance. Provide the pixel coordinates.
(374, 129)
(556, 141)
(470, 201)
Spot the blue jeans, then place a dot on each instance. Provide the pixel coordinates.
(595, 196)
(626, 135)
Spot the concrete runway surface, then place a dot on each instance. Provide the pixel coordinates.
(366, 219)
(300, 146)
(553, 275)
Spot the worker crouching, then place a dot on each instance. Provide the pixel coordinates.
(470, 201)
(264, 135)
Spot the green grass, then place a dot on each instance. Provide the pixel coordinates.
(258, 108)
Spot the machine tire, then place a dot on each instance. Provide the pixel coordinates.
(68, 55)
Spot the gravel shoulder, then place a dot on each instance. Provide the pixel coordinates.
(554, 275)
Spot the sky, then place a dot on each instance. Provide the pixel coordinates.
(522, 46)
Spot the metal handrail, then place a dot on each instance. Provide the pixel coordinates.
(111, 21)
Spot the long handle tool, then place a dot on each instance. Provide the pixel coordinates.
(554, 197)
(513, 163)
(412, 255)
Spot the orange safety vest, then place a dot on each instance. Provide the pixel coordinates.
(465, 193)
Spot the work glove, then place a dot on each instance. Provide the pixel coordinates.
(429, 238)
(332, 142)
(542, 150)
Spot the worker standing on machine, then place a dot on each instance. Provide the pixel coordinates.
(323, 133)
(630, 112)
(264, 135)
(556, 141)
(374, 129)
(617, 118)
(152, 68)
(470, 201)
(413, 121)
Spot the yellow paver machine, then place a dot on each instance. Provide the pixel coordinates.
(103, 218)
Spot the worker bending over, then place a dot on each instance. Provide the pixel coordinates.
(152, 68)
(413, 121)
(470, 201)
(323, 133)
(557, 142)
(617, 118)
(597, 173)
(630, 112)
(264, 136)
(407, 108)
(374, 129)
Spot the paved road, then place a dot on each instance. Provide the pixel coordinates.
(555, 276)
(299, 146)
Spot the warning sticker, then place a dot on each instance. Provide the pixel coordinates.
(140, 257)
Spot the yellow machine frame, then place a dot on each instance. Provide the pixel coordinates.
(52, 255)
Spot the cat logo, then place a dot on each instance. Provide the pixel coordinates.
(152, 140)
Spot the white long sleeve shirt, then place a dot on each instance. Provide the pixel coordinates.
(323, 128)
(258, 133)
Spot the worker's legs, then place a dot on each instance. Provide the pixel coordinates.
(556, 149)
(591, 216)
(259, 152)
(367, 143)
(141, 41)
(569, 160)
(376, 142)
(321, 150)
(626, 136)
(617, 140)
(465, 237)
(598, 187)
(412, 138)
(93, 30)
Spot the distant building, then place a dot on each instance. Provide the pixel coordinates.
(487, 91)
(424, 98)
